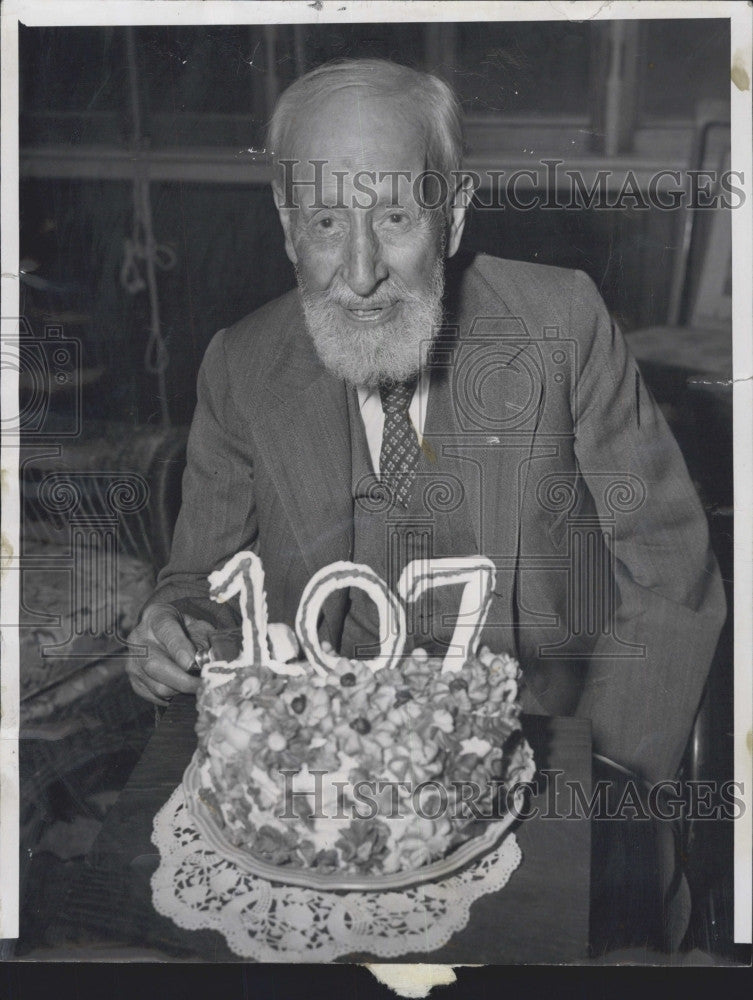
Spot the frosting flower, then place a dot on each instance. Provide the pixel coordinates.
(362, 841)
(425, 841)
(355, 737)
(315, 709)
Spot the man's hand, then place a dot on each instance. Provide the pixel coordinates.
(171, 640)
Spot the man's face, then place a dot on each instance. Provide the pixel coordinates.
(368, 257)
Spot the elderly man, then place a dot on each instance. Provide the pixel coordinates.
(408, 401)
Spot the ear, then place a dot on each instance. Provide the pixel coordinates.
(285, 221)
(462, 199)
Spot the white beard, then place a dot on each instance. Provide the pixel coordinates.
(394, 350)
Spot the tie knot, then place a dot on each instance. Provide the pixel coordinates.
(396, 397)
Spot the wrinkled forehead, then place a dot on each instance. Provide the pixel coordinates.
(352, 134)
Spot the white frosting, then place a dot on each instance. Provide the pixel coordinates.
(338, 576)
(478, 574)
(476, 745)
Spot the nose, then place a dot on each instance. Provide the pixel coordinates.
(363, 269)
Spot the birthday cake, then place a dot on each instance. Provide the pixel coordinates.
(354, 766)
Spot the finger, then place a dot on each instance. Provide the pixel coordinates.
(168, 630)
(135, 666)
(143, 692)
(155, 686)
(161, 669)
(159, 690)
(137, 642)
(199, 631)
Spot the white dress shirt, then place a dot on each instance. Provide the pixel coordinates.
(372, 415)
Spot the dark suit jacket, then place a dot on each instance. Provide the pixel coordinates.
(606, 590)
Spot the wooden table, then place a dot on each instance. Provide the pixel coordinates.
(540, 916)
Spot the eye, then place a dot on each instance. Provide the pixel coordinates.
(327, 226)
(396, 221)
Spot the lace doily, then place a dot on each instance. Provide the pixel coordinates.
(198, 889)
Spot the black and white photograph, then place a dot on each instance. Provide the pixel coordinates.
(376, 432)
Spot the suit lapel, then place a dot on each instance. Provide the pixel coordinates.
(304, 440)
(484, 407)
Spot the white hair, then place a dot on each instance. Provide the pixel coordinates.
(421, 98)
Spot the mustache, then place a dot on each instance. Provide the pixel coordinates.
(339, 293)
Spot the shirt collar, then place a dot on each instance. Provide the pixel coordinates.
(364, 395)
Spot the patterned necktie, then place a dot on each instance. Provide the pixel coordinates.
(400, 448)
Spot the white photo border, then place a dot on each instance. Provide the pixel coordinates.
(206, 12)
